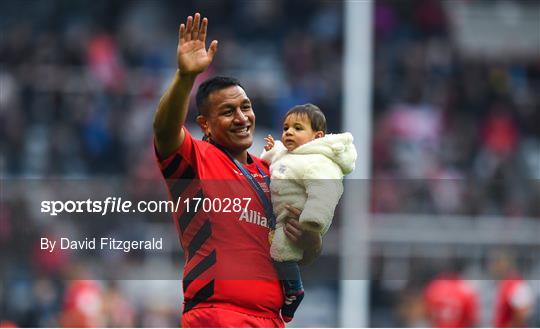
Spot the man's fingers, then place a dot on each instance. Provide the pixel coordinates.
(290, 236)
(204, 26)
(294, 211)
(295, 223)
(292, 229)
(212, 49)
(189, 28)
(196, 27)
(182, 32)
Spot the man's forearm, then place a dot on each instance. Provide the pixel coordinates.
(171, 114)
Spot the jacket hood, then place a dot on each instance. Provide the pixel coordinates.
(337, 147)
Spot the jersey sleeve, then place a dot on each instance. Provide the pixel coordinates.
(182, 162)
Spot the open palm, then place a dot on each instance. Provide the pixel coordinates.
(192, 56)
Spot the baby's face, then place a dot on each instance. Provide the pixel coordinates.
(297, 131)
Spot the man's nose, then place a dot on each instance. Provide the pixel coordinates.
(239, 115)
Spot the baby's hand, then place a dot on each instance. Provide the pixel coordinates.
(269, 143)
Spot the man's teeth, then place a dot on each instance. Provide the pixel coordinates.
(243, 130)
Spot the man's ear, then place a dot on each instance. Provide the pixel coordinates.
(203, 123)
(319, 134)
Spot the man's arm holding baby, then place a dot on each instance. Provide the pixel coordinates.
(309, 241)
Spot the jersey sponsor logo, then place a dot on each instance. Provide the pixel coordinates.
(253, 217)
(255, 175)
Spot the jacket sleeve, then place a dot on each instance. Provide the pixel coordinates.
(275, 152)
(323, 183)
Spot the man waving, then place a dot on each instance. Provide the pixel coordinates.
(229, 279)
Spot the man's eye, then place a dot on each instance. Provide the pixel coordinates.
(246, 107)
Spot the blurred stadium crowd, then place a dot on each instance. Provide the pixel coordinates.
(80, 82)
(462, 134)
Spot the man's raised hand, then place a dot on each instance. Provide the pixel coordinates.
(192, 56)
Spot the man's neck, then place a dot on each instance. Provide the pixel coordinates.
(242, 157)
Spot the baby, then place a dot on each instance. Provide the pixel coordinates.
(307, 169)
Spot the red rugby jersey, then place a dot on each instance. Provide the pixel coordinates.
(228, 262)
(451, 303)
(513, 294)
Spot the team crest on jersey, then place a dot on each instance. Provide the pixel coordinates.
(264, 187)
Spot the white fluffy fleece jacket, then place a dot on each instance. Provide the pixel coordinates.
(308, 178)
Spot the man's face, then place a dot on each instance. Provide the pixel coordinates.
(230, 120)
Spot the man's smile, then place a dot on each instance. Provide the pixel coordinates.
(243, 131)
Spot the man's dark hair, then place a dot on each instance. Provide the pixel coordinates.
(211, 85)
(314, 114)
